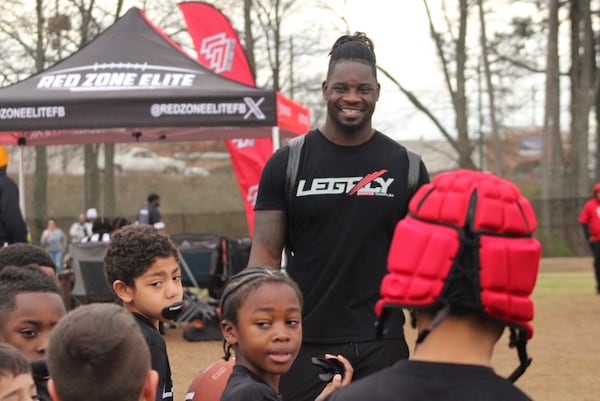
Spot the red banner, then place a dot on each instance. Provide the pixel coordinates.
(219, 49)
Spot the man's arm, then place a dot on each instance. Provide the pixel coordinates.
(269, 238)
(586, 231)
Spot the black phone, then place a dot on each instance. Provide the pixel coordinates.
(328, 368)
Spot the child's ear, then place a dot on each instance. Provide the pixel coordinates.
(52, 390)
(123, 291)
(229, 332)
(150, 386)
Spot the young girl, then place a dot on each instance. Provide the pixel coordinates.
(261, 312)
(16, 381)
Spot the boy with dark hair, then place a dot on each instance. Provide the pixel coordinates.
(16, 382)
(143, 268)
(103, 345)
(30, 306)
(22, 254)
(465, 262)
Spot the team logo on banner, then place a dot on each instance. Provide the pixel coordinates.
(219, 51)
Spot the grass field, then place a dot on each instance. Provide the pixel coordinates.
(566, 355)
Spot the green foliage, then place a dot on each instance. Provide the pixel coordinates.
(554, 245)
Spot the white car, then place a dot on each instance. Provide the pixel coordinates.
(142, 159)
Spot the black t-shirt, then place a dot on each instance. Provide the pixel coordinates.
(160, 359)
(39, 371)
(345, 207)
(428, 381)
(243, 385)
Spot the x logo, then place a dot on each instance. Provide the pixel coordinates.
(254, 108)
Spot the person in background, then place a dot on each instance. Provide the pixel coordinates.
(90, 215)
(55, 242)
(16, 381)
(101, 230)
(337, 220)
(79, 229)
(12, 224)
(590, 224)
(150, 214)
(467, 273)
(97, 353)
(120, 222)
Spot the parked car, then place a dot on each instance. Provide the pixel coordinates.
(142, 159)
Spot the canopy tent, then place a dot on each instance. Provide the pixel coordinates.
(133, 83)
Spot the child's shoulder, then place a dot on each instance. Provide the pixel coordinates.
(245, 385)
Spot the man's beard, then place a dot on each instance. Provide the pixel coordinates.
(350, 130)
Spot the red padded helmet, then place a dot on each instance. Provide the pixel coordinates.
(466, 244)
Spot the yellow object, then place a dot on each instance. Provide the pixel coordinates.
(4, 157)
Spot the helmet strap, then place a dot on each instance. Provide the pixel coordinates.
(439, 316)
(518, 339)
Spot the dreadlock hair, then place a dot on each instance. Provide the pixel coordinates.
(239, 286)
(357, 47)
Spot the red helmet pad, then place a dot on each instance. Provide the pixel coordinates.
(467, 242)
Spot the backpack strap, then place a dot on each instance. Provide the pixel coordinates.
(293, 164)
(414, 167)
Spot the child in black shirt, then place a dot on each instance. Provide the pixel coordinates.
(142, 265)
(261, 311)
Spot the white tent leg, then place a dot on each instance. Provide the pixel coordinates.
(21, 182)
(276, 138)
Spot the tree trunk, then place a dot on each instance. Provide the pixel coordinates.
(462, 127)
(582, 96)
(496, 141)
(41, 159)
(552, 154)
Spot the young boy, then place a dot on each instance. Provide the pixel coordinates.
(97, 353)
(142, 266)
(30, 306)
(16, 382)
(466, 262)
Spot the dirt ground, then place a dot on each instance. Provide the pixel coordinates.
(566, 355)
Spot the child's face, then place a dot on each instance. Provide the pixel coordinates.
(17, 388)
(159, 287)
(268, 335)
(27, 327)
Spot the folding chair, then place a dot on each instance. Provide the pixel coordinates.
(87, 262)
(199, 253)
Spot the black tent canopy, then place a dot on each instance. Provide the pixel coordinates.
(132, 83)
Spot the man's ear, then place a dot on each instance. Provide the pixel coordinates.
(324, 89)
(229, 332)
(150, 386)
(123, 291)
(52, 390)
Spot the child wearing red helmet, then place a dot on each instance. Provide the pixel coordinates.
(465, 262)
